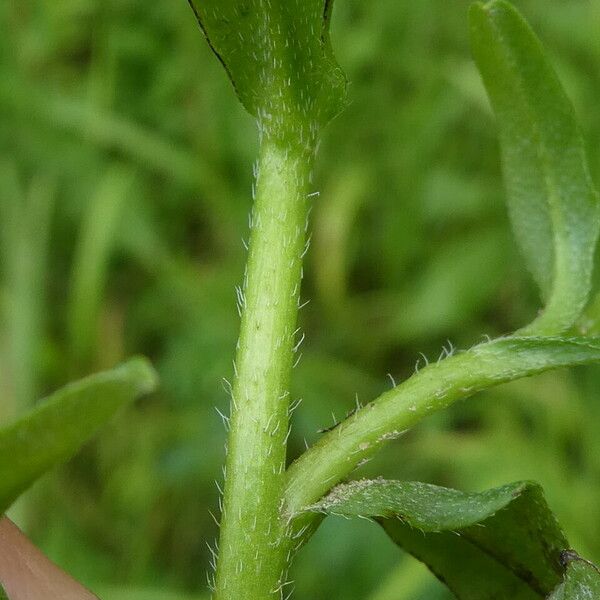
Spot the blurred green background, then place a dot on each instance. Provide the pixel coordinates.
(125, 177)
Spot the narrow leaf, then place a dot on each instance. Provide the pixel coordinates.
(582, 579)
(3, 595)
(55, 430)
(501, 543)
(552, 202)
(116, 593)
(278, 56)
(91, 259)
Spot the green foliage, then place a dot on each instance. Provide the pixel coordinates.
(143, 594)
(3, 595)
(502, 543)
(555, 210)
(554, 207)
(98, 233)
(25, 217)
(582, 579)
(433, 388)
(86, 86)
(55, 430)
(279, 58)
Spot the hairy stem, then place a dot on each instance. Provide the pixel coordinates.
(433, 388)
(252, 555)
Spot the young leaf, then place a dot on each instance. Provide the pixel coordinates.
(582, 579)
(278, 56)
(552, 202)
(55, 430)
(501, 543)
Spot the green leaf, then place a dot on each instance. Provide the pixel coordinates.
(25, 224)
(501, 543)
(3, 595)
(116, 593)
(552, 201)
(278, 56)
(55, 430)
(90, 263)
(582, 579)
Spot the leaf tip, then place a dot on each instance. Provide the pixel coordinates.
(477, 14)
(141, 373)
(491, 9)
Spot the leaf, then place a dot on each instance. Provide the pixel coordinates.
(582, 579)
(278, 56)
(90, 263)
(116, 593)
(552, 201)
(501, 543)
(55, 430)
(3, 595)
(25, 224)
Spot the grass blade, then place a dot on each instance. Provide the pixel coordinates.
(90, 264)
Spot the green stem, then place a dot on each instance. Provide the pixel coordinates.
(433, 388)
(252, 555)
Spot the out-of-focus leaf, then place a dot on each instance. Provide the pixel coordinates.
(552, 201)
(335, 217)
(501, 543)
(278, 56)
(91, 261)
(3, 595)
(410, 576)
(457, 282)
(25, 220)
(582, 579)
(55, 430)
(144, 594)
